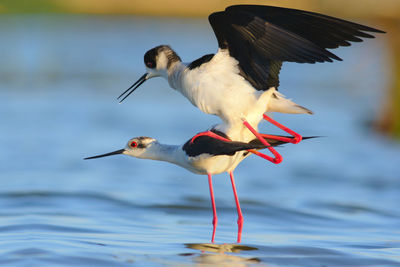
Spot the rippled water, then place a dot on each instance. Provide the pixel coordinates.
(334, 201)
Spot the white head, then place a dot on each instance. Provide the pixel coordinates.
(136, 147)
(158, 62)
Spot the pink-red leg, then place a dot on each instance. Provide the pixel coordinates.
(277, 159)
(215, 219)
(239, 211)
(296, 137)
(211, 134)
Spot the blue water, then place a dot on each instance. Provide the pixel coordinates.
(334, 201)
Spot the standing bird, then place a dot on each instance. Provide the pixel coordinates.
(205, 155)
(239, 83)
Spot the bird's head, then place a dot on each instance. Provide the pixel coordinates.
(136, 147)
(158, 62)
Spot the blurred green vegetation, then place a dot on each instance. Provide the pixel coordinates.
(389, 118)
(344, 8)
(29, 6)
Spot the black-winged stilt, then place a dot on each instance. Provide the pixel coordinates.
(205, 155)
(239, 83)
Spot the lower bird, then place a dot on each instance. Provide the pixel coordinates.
(204, 155)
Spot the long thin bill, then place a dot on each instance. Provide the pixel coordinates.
(133, 87)
(120, 151)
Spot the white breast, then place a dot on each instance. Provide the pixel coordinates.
(217, 88)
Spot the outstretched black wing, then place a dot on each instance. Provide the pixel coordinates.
(262, 37)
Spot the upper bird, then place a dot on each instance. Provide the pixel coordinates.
(239, 83)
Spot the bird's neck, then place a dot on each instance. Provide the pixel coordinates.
(174, 75)
(163, 152)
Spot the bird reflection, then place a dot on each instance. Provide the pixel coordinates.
(219, 254)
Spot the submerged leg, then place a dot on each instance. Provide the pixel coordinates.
(239, 211)
(277, 159)
(215, 219)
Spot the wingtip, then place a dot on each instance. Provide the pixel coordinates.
(370, 29)
(311, 137)
(335, 57)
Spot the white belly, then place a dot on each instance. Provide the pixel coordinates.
(216, 164)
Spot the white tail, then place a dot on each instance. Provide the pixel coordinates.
(278, 103)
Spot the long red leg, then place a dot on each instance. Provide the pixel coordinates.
(239, 211)
(296, 137)
(215, 219)
(277, 159)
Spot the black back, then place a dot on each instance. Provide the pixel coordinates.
(210, 145)
(198, 62)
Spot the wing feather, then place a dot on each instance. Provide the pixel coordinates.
(262, 37)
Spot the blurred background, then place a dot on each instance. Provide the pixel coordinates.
(333, 201)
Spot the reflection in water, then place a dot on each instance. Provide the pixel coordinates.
(211, 247)
(219, 256)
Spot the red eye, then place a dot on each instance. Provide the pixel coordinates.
(149, 64)
(133, 144)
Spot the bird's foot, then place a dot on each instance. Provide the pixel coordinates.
(294, 140)
(277, 157)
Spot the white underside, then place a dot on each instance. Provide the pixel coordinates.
(205, 164)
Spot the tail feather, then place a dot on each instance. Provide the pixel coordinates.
(279, 103)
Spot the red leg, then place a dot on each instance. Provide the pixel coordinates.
(211, 134)
(296, 137)
(239, 211)
(295, 140)
(215, 219)
(277, 159)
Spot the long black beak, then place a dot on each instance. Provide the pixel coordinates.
(120, 151)
(133, 87)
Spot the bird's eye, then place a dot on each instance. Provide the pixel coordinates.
(133, 144)
(150, 64)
